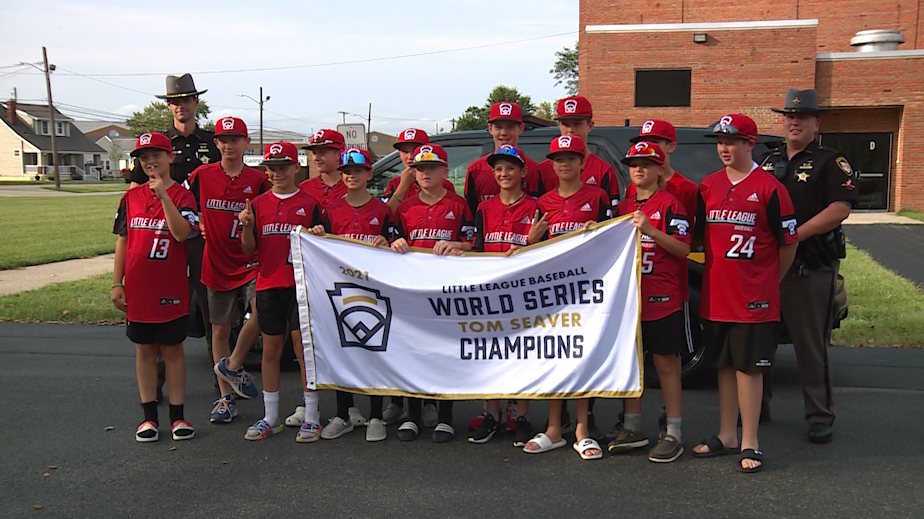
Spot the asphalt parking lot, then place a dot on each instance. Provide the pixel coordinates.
(64, 385)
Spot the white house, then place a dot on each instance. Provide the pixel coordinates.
(25, 144)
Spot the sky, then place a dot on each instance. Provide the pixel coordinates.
(112, 57)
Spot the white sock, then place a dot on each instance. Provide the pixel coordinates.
(271, 407)
(312, 410)
(673, 428)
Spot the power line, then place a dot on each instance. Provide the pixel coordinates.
(314, 65)
(105, 82)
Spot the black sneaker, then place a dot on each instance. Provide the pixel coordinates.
(523, 432)
(485, 431)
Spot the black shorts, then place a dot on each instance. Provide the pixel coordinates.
(168, 334)
(277, 310)
(746, 347)
(666, 336)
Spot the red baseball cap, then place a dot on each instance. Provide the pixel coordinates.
(571, 143)
(656, 128)
(506, 151)
(230, 126)
(152, 140)
(506, 111)
(735, 125)
(356, 157)
(279, 153)
(413, 136)
(430, 154)
(645, 150)
(574, 107)
(326, 139)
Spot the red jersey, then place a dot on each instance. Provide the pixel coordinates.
(362, 223)
(481, 185)
(663, 275)
(423, 225)
(274, 218)
(742, 227)
(220, 198)
(566, 214)
(156, 286)
(324, 194)
(413, 191)
(679, 186)
(596, 172)
(498, 226)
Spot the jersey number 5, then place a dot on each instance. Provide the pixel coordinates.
(647, 262)
(741, 248)
(159, 248)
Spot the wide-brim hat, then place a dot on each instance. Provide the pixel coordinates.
(801, 102)
(182, 86)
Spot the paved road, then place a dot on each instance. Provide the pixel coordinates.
(896, 247)
(63, 385)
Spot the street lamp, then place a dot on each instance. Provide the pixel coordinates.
(47, 70)
(259, 102)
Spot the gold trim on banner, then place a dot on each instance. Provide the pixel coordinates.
(484, 396)
(640, 354)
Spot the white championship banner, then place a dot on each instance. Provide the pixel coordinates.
(558, 319)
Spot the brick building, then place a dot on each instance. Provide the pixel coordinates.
(691, 61)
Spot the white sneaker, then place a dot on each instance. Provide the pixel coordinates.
(430, 416)
(356, 418)
(375, 431)
(336, 428)
(394, 414)
(297, 418)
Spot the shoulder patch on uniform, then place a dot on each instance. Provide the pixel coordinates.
(844, 165)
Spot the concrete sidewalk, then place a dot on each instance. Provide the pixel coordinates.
(40, 191)
(30, 278)
(861, 218)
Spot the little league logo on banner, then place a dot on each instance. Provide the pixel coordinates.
(558, 319)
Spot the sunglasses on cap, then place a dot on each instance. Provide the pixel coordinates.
(353, 158)
(508, 151)
(428, 156)
(730, 129)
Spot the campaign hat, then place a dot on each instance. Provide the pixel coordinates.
(801, 102)
(182, 86)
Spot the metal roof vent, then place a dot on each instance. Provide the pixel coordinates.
(877, 40)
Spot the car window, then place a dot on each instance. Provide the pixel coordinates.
(459, 159)
(696, 161)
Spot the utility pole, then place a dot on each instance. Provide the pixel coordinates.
(259, 102)
(369, 128)
(343, 114)
(453, 121)
(51, 112)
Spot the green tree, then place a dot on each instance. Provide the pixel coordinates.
(545, 111)
(476, 117)
(156, 117)
(566, 69)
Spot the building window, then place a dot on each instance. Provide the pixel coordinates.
(60, 128)
(660, 88)
(43, 128)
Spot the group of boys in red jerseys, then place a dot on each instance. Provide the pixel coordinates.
(743, 218)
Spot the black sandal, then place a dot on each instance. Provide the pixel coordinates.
(408, 431)
(716, 448)
(443, 433)
(750, 454)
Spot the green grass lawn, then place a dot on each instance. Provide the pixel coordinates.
(84, 301)
(98, 187)
(37, 230)
(912, 214)
(885, 309)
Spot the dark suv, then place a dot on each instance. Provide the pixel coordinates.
(695, 158)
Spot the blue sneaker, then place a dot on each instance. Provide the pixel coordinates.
(240, 381)
(225, 410)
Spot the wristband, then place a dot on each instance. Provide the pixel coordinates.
(118, 285)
